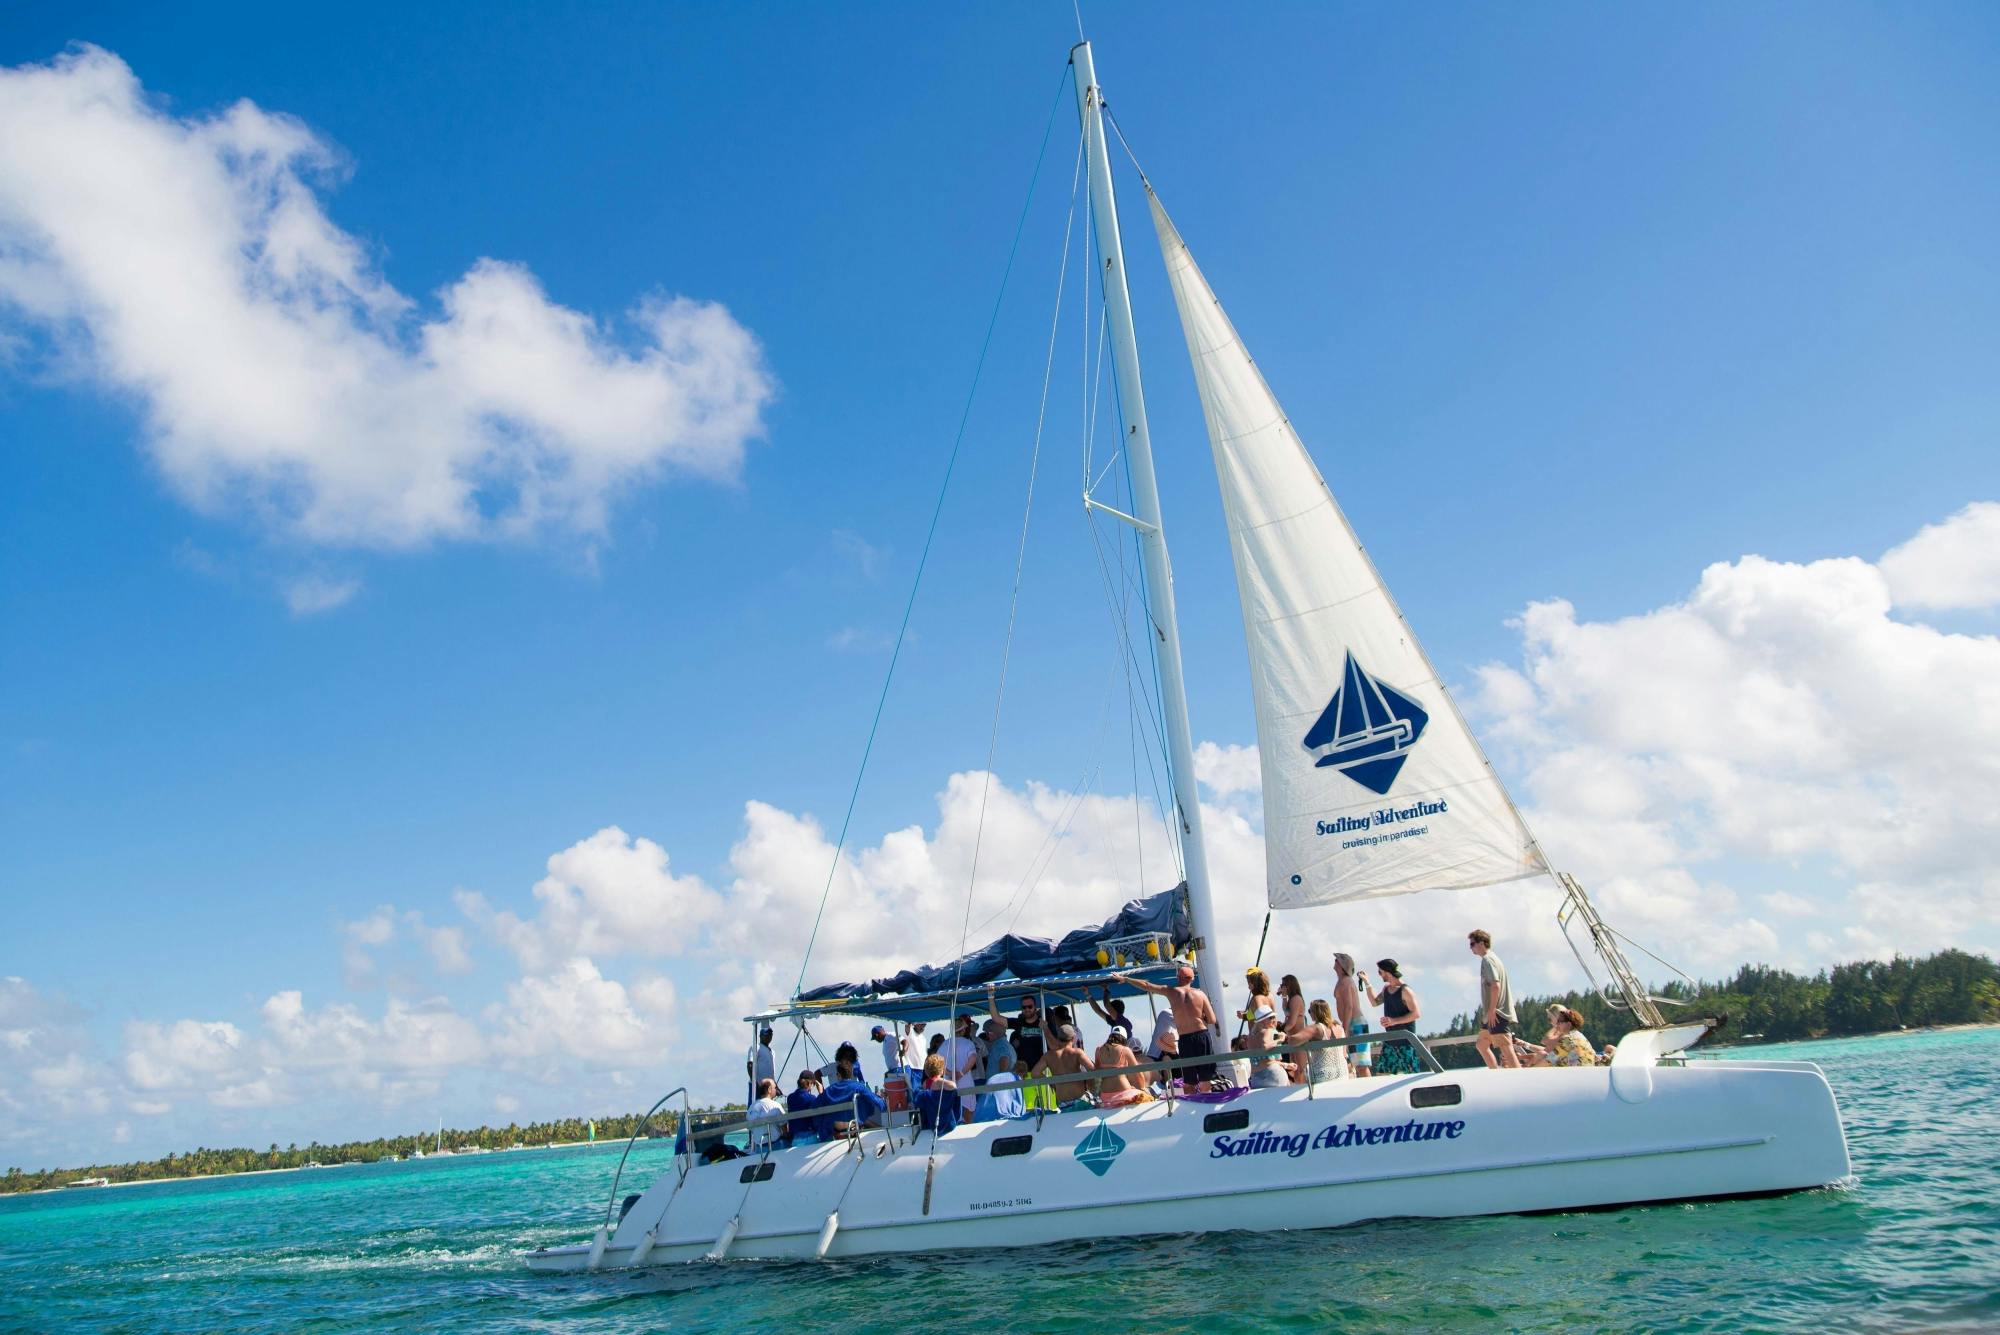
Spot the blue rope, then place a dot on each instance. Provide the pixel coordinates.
(930, 534)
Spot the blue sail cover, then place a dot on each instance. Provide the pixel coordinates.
(1030, 956)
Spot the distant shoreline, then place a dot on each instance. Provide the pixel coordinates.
(66, 1189)
(1906, 1032)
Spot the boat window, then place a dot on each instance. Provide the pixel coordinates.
(758, 1173)
(1006, 1145)
(1434, 1096)
(1235, 1120)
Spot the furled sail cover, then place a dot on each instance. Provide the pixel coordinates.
(1030, 956)
(1372, 783)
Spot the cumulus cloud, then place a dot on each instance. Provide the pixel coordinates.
(183, 1054)
(1228, 770)
(1951, 565)
(605, 895)
(188, 263)
(574, 1011)
(46, 1062)
(1780, 730)
(367, 939)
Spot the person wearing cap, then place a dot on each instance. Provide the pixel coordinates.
(762, 1063)
(1194, 1017)
(892, 1049)
(1398, 1001)
(1067, 1057)
(1347, 1009)
(1265, 1072)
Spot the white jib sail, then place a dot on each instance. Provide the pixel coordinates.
(1372, 783)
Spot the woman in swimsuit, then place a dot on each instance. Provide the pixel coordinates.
(1298, 1029)
(1324, 1063)
(1260, 997)
(1399, 1011)
(1266, 1072)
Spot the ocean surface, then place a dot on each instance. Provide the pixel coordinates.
(1913, 1243)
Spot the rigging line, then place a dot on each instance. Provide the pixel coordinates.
(1120, 618)
(1119, 131)
(1037, 865)
(1158, 696)
(1020, 563)
(930, 534)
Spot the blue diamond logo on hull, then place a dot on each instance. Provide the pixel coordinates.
(1100, 1149)
(1366, 730)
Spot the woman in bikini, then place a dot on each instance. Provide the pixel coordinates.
(1260, 996)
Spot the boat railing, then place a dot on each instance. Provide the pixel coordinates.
(715, 1130)
(713, 1127)
(639, 1130)
(1252, 1055)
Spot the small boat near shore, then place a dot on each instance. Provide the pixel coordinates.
(1373, 785)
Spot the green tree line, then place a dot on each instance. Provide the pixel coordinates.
(1763, 1004)
(211, 1162)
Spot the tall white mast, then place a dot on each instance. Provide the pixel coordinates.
(1138, 446)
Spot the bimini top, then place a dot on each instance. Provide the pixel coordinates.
(1147, 931)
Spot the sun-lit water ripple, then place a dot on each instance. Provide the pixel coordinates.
(434, 1245)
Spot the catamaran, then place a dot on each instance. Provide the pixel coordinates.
(1373, 785)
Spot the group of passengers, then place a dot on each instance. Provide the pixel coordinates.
(977, 1072)
(1499, 1046)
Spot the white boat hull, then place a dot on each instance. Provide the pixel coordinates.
(1349, 1151)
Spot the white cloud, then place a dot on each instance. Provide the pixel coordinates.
(1779, 720)
(309, 595)
(863, 556)
(183, 1054)
(1955, 564)
(368, 937)
(574, 1011)
(605, 895)
(187, 262)
(1228, 770)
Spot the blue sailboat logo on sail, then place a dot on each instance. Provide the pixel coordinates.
(1367, 729)
(1100, 1149)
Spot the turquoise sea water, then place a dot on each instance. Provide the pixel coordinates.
(433, 1245)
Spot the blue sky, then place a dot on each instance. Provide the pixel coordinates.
(1570, 303)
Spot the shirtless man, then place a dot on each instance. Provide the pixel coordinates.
(1067, 1057)
(1194, 1018)
(1116, 1090)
